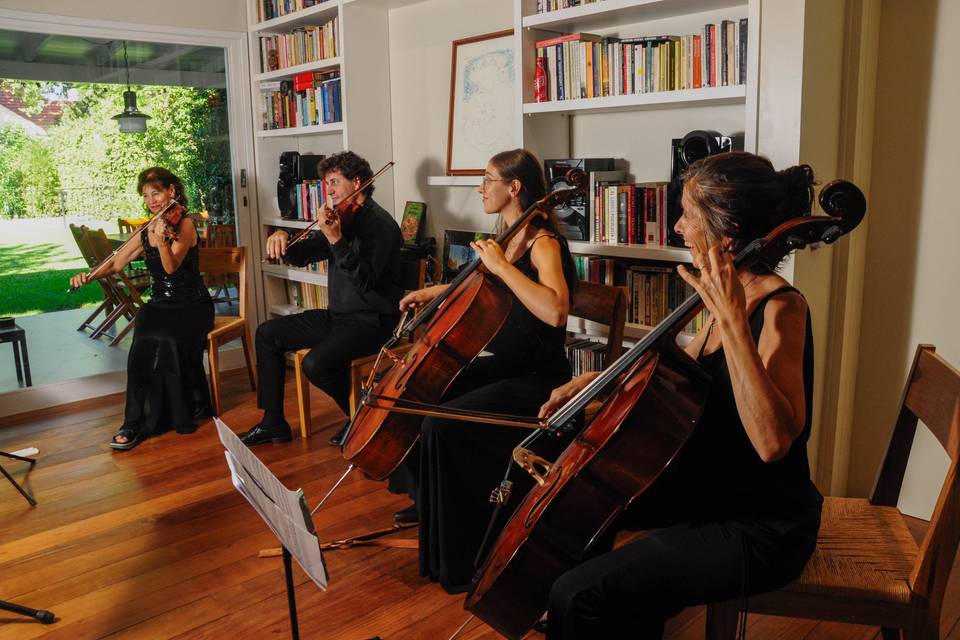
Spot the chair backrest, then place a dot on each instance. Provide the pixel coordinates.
(606, 305)
(931, 395)
(84, 245)
(413, 274)
(123, 226)
(100, 245)
(227, 260)
(220, 235)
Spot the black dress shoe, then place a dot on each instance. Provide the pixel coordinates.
(337, 439)
(406, 516)
(201, 413)
(260, 434)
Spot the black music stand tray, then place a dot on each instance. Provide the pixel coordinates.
(16, 484)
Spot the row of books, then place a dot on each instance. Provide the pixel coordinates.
(306, 295)
(311, 194)
(310, 43)
(583, 65)
(653, 290)
(311, 98)
(585, 355)
(543, 6)
(629, 213)
(270, 9)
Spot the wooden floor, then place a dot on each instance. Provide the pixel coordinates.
(156, 543)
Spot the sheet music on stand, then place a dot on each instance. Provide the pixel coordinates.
(284, 511)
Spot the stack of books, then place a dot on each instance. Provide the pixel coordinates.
(311, 98)
(270, 9)
(310, 43)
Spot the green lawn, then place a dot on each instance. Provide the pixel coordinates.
(37, 258)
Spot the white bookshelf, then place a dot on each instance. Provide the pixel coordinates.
(636, 129)
(362, 48)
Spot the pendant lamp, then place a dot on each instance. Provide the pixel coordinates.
(131, 120)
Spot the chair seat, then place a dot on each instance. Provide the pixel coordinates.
(863, 551)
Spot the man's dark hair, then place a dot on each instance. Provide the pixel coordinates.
(350, 165)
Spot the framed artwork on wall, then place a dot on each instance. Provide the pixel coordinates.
(481, 120)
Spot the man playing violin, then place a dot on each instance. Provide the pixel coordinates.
(362, 243)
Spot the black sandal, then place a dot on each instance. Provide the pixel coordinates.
(133, 439)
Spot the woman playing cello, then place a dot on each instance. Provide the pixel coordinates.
(736, 513)
(461, 461)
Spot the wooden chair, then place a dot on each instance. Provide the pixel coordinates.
(223, 261)
(606, 305)
(124, 226)
(413, 276)
(125, 290)
(220, 235)
(867, 569)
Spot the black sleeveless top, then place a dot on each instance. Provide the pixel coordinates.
(526, 344)
(183, 285)
(719, 474)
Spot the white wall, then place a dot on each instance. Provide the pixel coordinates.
(222, 15)
(911, 292)
(420, 51)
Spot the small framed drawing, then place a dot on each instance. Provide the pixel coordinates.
(457, 252)
(482, 80)
(412, 221)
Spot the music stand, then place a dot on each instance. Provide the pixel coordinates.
(16, 456)
(285, 512)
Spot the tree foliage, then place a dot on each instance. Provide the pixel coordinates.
(96, 166)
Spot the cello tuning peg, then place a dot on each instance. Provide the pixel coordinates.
(795, 242)
(831, 234)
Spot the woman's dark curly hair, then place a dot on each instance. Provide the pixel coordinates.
(744, 198)
(165, 179)
(350, 165)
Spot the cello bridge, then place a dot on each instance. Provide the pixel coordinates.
(533, 464)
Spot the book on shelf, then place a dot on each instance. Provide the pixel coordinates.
(307, 296)
(309, 43)
(311, 98)
(653, 289)
(270, 9)
(585, 355)
(412, 221)
(544, 6)
(583, 65)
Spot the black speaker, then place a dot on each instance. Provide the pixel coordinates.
(294, 168)
(684, 151)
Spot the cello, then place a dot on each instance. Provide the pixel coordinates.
(462, 321)
(657, 396)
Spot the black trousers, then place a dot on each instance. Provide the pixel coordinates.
(336, 339)
(632, 591)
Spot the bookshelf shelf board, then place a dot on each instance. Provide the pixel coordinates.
(707, 96)
(316, 129)
(599, 15)
(289, 72)
(671, 254)
(454, 181)
(284, 309)
(280, 222)
(316, 14)
(292, 273)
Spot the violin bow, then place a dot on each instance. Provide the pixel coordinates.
(363, 185)
(92, 274)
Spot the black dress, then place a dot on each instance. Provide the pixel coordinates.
(461, 462)
(729, 525)
(166, 382)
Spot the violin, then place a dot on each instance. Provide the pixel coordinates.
(346, 207)
(656, 400)
(172, 214)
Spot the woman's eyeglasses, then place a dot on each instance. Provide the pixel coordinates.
(485, 181)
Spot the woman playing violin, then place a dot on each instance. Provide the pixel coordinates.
(166, 383)
(460, 462)
(736, 513)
